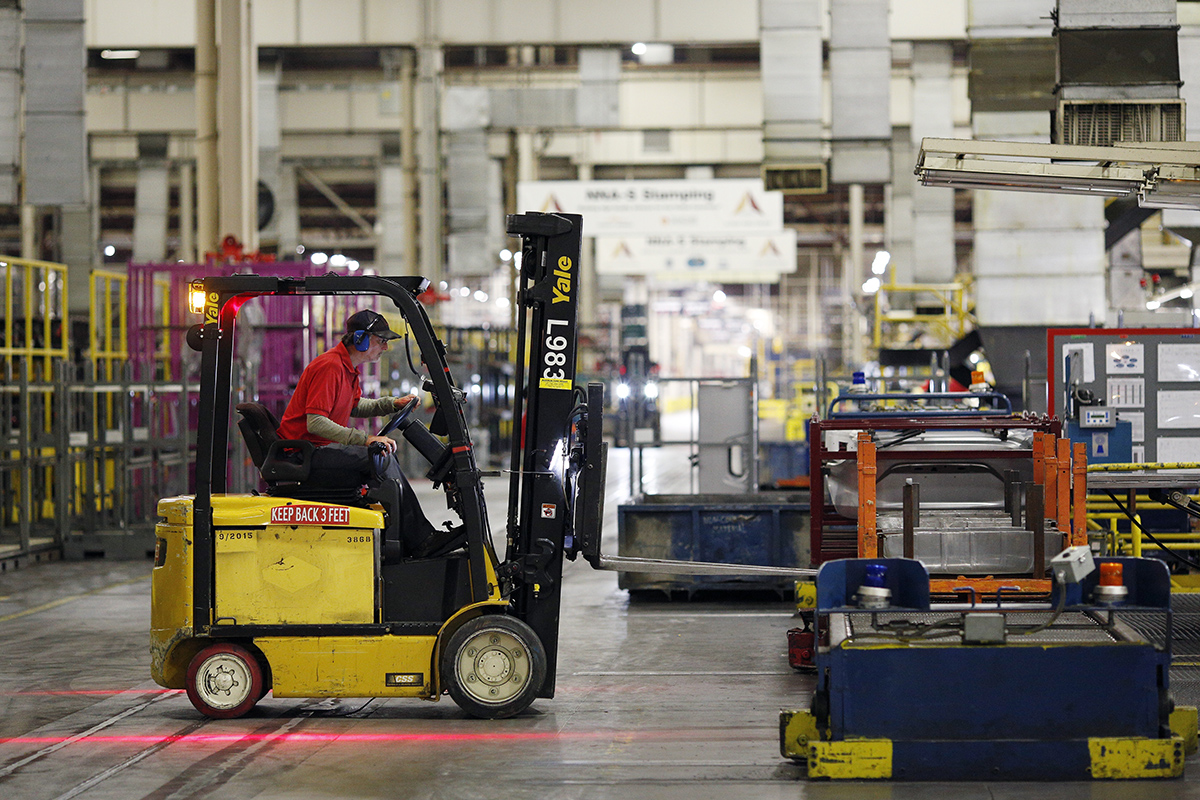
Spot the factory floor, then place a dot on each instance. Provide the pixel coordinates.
(654, 700)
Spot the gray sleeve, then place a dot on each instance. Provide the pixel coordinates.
(374, 408)
(326, 428)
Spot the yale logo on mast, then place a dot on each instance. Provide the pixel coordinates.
(212, 308)
(562, 286)
(557, 352)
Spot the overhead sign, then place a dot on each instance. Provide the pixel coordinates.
(717, 257)
(619, 208)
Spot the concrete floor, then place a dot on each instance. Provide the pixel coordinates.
(655, 700)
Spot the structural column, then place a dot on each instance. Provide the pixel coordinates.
(391, 219)
(589, 290)
(268, 141)
(853, 345)
(933, 210)
(287, 210)
(187, 212)
(408, 158)
(150, 211)
(429, 149)
(207, 166)
(237, 141)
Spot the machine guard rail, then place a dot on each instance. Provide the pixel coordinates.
(996, 398)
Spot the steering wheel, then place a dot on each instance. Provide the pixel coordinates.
(398, 418)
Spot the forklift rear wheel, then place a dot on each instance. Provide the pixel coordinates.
(224, 681)
(494, 666)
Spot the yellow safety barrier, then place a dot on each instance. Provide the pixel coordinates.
(952, 323)
(1103, 515)
(29, 330)
(109, 332)
(1141, 467)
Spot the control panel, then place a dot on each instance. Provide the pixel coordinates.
(1097, 417)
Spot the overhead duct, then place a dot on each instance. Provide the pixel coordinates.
(597, 101)
(791, 65)
(860, 69)
(1186, 223)
(1038, 259)
(1117, 73)
(10, 97)
(1118, 79)
(56, 170)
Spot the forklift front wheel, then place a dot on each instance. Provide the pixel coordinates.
(494, 666)
(224, 681)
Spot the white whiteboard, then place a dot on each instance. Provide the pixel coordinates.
(1178, 409)
(1179, 363)
(1178, 448)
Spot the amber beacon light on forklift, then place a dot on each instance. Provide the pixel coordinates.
(307, 589)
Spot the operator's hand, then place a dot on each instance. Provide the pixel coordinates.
(387, 443)
(408, 399)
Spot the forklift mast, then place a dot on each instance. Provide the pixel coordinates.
(550, 419)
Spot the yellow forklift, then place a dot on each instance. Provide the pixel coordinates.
(311, 590)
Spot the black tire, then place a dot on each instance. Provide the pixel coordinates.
(224, 681)
(494, 666)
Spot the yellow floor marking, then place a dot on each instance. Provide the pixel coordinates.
(64, 600)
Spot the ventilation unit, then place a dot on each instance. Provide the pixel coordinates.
(1104, 123)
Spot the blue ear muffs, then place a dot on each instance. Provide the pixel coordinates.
(362, 341)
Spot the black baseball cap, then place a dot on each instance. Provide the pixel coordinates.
(370, 322)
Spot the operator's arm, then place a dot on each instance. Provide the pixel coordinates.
(374, 408)
(324, 427)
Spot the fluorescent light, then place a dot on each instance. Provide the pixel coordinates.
(1028, 176)
(871, 286)
(639, 49)
(119, 55)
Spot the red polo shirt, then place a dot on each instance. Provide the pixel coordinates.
(328, 386)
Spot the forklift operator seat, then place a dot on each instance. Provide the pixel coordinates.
(287, 465)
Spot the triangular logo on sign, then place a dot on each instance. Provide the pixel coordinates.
(747, 203)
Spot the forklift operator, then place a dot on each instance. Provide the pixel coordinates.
(328, 394)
